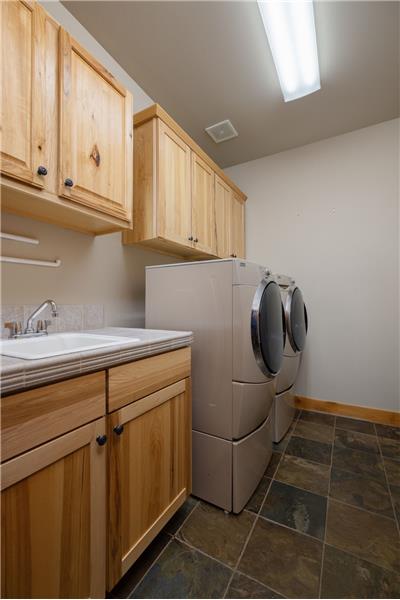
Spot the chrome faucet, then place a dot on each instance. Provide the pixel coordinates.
(29, 323)
(41, 329)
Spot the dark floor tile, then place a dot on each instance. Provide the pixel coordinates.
(395, 492)
(392, 468)
(345, 576)
(318, 432)
(295, 508)
(388, 432)
(356, 441)
(182, 572)
(368, 464)
(273, 463)
(281, 446)
(244, 587)
(361, 491)
(355, 425)
(368, 536)
(310, 450)
(310, 476)
(283, 559)
(179, 517)
(316, 417)
(216, 533)
(254, 504)
(390, 448)
(126, 585)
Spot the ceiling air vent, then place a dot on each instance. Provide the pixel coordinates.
(221, 132)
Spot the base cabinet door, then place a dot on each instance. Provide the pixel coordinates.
(22, 90)
(53, 518)
(149, 471)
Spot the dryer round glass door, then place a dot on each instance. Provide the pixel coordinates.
(267, 327)
(298, 322)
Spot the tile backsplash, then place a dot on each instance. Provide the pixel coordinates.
(71, 317)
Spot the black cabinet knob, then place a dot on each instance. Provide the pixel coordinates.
(118, 429)
(233, 255)
(196, 240)
(68, 182)
(42, 170)
(101, 440)
(190, 238)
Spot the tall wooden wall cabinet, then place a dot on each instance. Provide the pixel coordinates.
(185, 205)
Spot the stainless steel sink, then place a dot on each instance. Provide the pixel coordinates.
(60, 343)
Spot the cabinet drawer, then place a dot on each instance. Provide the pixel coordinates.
(37, 416)
(130, 382)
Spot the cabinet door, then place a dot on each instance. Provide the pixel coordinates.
(203, 206)
(22, 90)
(53, 518)
(149, 471)
(223, 202)
(96, 139)
(237, 227)
(174, 213)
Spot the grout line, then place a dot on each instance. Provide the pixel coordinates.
(165, 547)
(388, 485)
(185, 519)
(370, 512)
(238, 571)
(326, 514)
(200, 551)
(311, 537)
(147, 570)
(362, 558)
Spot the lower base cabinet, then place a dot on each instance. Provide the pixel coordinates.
(149, 471)
(58, 532)
(53, 518)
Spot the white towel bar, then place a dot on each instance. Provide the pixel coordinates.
(18, 238)
(30, 261)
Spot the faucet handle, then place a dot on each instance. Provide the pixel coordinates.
(14, 327)
(41, 326)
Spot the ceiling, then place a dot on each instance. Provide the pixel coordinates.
(209, 61)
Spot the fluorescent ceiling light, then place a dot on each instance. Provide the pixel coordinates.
(290, 29)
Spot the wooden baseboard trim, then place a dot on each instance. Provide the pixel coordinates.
(377, 415)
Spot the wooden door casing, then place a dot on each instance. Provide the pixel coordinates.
(22, 90)
(149, 471)
(223, 210)
(53, 518)
(96, 133)
(174, 214)
(203, 206)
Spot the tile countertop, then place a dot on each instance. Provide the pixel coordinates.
(17, 374)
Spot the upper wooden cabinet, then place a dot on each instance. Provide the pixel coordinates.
(237, 248)
(177, 190)
(95, 134)
(22, 91)
(174, 218)
(203, 206)
(67, 142)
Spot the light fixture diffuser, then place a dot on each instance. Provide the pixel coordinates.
(290, 29)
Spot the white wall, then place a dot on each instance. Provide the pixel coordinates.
(95, 270)
(328, 214)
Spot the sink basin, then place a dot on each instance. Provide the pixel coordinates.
(60, 343)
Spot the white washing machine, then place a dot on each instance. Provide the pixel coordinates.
(234, 309)
(296, 322)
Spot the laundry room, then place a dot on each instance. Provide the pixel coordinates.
(200, 298)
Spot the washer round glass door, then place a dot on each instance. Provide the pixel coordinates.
(267, 327)
(297, 321)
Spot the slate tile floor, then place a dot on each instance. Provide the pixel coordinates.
(324, 522)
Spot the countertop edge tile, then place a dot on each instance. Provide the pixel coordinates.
(18, 374)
